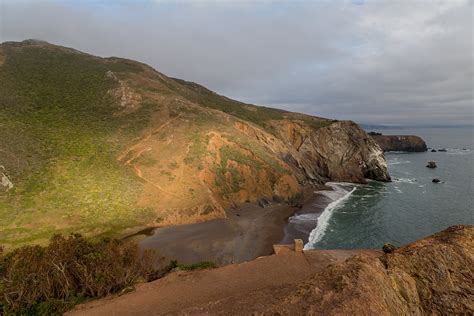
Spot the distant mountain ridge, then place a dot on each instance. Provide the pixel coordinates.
(103, 146)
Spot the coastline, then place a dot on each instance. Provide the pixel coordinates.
(247, 232)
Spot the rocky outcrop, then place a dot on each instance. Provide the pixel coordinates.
(409, 143)
(5, 182)
(341, 151)
(433, 276)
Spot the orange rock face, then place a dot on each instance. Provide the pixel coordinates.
(431, 276)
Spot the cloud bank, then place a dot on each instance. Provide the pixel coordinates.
(379, 62)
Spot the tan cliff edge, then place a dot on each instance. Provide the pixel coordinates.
(433, 275)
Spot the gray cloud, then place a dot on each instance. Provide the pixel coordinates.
(386, 62)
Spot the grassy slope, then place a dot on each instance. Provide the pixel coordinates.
(57, 123)
(60, 138)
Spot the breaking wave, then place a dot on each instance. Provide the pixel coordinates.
(339, 196)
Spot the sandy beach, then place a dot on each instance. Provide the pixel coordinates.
(248, 232)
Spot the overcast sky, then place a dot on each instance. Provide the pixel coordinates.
(376, 62)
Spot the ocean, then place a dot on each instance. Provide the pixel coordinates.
(408, 208)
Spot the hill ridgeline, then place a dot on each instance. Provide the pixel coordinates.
(104, 146)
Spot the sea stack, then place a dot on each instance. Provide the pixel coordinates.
(431, 164)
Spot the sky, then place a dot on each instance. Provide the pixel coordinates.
(403, 62)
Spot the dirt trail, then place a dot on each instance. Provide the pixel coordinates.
(138, 154)
(232, 289)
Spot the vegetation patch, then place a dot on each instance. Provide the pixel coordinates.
(197, 148)
(316, 124)
(194, 266)
(70, 270)
(173, 165)
(146, 161)
(60, 138)
(258, 115)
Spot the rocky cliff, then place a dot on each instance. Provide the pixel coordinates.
(409, 143)
(102, 145)
(433, 276)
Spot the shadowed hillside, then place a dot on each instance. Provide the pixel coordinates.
(104, 146)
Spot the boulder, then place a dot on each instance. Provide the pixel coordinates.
(431, 164)
(263, 203)
(433, 150)
(436, 180)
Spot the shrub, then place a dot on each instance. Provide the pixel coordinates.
(50, 280)
(388, 248)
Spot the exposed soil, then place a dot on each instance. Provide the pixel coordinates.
(240, 286)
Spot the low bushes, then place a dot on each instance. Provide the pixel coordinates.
(174, 265)
(49, 280)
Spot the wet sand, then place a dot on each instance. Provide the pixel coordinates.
(247, 233)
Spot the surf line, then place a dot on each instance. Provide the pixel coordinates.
(323, 220)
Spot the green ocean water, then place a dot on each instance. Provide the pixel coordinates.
(409, 208)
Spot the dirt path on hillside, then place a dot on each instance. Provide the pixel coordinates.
(139, 153)
(230, 290)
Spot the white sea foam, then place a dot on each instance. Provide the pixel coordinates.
(397, 189)
(404, 180)
(338, 195)
(458, 151)
(303, 218)
(391, 163)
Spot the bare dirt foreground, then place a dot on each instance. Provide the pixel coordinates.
(432, 276)
(234, 289)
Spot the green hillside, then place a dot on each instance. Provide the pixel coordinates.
(108, 146)
(58, 147)
(61, 135)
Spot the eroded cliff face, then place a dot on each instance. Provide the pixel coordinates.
(433, 276)
(340, 151)
(409, 143)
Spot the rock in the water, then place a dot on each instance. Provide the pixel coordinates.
(431, 164)
(443, 150)
(436, 180)
(433, 150)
